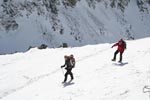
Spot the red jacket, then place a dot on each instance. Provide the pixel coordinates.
(120, 48)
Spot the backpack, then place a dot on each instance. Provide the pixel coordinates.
(123, 45)
(68, 64)
(72, 62)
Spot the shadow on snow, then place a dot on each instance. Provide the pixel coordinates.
(68, 84)
(120, 64)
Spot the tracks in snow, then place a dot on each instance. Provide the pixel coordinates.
(37, 78)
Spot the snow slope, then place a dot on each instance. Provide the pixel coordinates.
(25, 23)
(36, 74)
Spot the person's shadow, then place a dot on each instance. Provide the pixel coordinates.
(68, 84)
(121, 64)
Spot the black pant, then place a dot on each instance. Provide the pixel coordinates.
(68, 73)
(115, 54)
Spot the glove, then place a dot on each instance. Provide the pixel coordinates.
(112, 46)
(61, 67)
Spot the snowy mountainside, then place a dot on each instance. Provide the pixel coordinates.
(36, 74)
(30, 23)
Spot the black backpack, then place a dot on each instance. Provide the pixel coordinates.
(72, 62)
(123, 45)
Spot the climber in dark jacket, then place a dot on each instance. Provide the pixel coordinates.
(68, 67)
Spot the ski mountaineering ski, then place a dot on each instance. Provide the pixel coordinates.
(119, 63)
(67, 83)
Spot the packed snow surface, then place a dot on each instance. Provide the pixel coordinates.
(36, 74)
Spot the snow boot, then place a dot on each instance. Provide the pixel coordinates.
(113, 60)
(119, 61)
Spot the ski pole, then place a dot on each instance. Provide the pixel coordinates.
(62, 71)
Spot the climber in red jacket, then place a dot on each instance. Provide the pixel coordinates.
(121, 47)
